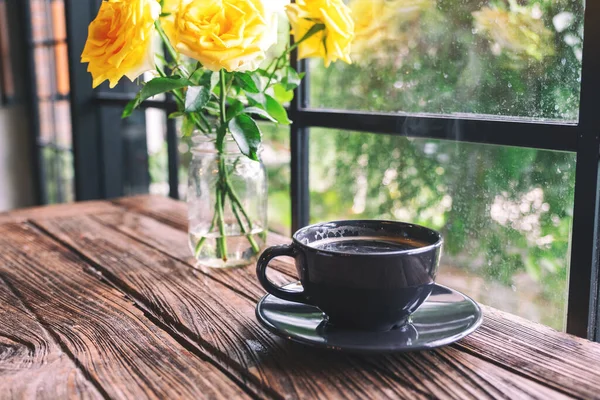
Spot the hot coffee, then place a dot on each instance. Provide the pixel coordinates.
(367, 275)
(367, 244)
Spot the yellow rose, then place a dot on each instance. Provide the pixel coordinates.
(170, 6)
(121, 40)
(378, 22)
(372, 26)
(332, 43)
(518, 32)
(229, 34)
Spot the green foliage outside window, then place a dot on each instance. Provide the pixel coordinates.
(504, 211)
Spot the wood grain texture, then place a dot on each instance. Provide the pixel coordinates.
(115, 344)
(555, 359)
(223, 323)
(32, 364)
(217, 319)
(538, 352)
(163, 209)
(58, 210)
(174, 213)
(174, 243)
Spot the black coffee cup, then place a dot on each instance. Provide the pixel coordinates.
(366, 275)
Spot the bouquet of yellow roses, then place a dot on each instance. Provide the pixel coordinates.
(217, 70)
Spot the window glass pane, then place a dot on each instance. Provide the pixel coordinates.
(158, 166)
(41, 20)
(67, 176)
(57, 166)
(49, 165)
(63, 123)
(276, 156)
(44, 71)
(511, 58)
(505, 212)
(7, 89)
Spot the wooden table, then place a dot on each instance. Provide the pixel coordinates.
(101, 300)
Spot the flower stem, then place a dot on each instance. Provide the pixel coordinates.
(206, 122)
(221, 223)
(202, 240)
(223, 98)
(179, 97)
(235, 205)
(166, 40)
(226, 188)
(274, 71)
(221, 185)
(311, 32)
(255, 246)
(236, 200)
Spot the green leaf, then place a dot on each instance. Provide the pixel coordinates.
(246, 134)
(188, 126)
(214, 80)
(213, 107)
(196, 76)
(281, 94)
(263, 72)
(176, 114)
(276, 110)
(206, 78)
(260, 112)
(271, 106)
(257, 99)
(245, 81)
(161, 85)
(258, 81)
(196, 98)
(235, 108)
(132, 105)
(292, 79)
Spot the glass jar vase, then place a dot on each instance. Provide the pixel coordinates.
(227, 204)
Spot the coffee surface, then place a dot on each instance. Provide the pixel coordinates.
(366, 244)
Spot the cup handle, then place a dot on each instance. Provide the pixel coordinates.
(261, 272)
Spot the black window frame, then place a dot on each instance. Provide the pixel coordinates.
(43, 173)
(91, 154)
(6, 69)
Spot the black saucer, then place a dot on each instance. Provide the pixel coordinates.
(446, 316)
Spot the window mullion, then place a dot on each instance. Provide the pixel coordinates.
(300, 150)
(583, 279)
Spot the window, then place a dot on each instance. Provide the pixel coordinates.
(476, 118)
(505, 212)
(49, 85)
(6, 76)
(508, 58)
(482, 74)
